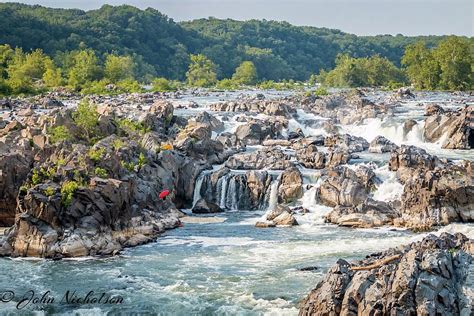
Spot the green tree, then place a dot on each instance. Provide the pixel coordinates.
(87, 118)
(454, 59)
(52, 76)
(245, 74)
(162, 85)
(118, 68)
(85, 68)
(201, 72)
(421, 67)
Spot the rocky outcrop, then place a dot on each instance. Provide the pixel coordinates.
(311, 158)
(423, 278)
(14, 170)
(266, 158)
(205, 207)
(346, 142)
(381, 145)
(280, 216)
(274, 108)
(236, 191)
(290, 187)
(346, 187)
(456, 129)
(255, 132)
(435, 192)
(370, 213)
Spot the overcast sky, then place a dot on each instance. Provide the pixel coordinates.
(362, 17)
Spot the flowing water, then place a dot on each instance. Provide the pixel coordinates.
(231, 267)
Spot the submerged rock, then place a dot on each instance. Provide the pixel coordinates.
(423, 278)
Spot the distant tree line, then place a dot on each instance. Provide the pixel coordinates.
(118, 49)
(160, 47)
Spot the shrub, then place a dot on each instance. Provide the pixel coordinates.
(87, 118)
(49, 191)
(130, 166)
(117, 144)
(96, 154)
(141, 160)
(68, 189)
(100, 172)
(132, 126)
(163, 85)
(59, 134)
(36, 178)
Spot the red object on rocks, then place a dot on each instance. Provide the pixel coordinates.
(164, 194)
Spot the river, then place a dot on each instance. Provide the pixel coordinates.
(230, 267)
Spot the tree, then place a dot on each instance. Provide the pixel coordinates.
(162, 85)
(454, 59)
(201, 72)
(118, 68)
(85, 68)
(87, 118)
(245, 74)
(52, 76)
(421, 67)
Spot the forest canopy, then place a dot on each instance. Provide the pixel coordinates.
(122, 47)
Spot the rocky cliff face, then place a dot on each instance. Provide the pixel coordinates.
(70, 199)
(423, 278)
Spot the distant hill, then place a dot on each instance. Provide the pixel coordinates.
(279, 50)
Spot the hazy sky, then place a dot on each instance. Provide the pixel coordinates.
(362, 17)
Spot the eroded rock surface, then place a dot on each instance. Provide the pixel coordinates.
(423, 278)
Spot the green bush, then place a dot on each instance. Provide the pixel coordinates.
(117, 144)
(49, 191)
(100, 172)
(141, 160)
(68, 189)
(59, 134)
(130, 166)
(132, 126)
(96, 154)
(87, 118)
(163, 85)
(227, 84)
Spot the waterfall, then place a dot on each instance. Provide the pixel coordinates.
(223, 192)
(273, 199)
(197, 189)
(231, 196)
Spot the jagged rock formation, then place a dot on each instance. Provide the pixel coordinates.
(455, 128)
(423, 278)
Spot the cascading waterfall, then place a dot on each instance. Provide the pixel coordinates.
(231, 196)
(197, 189)
(223, 191)
(273, 198)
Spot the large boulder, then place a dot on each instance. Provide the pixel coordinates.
(456, 129)
(290, 187)
(435, 192)
(370, 213)
(280, 216)
(14, 170)
(381, 145)
(343, 187)
(205, 207)
(347, 142)
(422, 278)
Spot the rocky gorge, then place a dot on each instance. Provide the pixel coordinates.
(369, 159)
